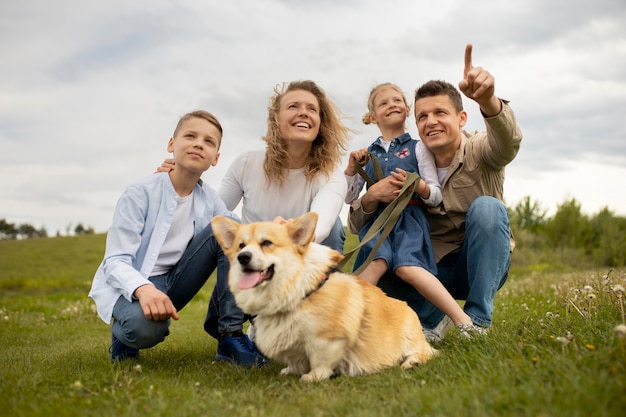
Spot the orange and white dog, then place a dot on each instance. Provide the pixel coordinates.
(317, 321)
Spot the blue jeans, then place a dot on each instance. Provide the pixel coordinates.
(181, 284)
(474, 273)
(335, 240)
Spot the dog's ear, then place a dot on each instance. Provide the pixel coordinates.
(225, 231)
(302, 229)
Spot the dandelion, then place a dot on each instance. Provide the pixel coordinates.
(619, 291)
(589, 346)
(590, 296)
(564, 341)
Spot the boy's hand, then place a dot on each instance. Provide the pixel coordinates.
(167, 166)
(359, 156)
(156, 305)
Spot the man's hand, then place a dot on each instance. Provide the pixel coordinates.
(479, 85)
(156, 305)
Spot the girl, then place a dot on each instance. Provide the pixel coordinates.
(407, 251)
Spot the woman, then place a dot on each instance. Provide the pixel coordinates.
(301, 168)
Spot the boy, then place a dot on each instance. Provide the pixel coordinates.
(160, 250)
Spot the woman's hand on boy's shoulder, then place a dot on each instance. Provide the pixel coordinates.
(167, 166)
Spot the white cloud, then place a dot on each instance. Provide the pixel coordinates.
(90, 91)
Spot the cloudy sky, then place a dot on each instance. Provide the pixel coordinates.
(90, 91)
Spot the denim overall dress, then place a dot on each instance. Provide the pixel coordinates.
(409, 243)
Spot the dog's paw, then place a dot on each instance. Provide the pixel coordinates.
(317, 374)
(288, 371)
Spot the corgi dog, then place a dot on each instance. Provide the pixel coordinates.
(318, 321)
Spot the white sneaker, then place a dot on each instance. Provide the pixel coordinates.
(469, 330)
(437, 333)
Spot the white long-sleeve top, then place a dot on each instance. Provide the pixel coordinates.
(264, 200)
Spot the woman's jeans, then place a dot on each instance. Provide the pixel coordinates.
(181, 284)
(474, 273)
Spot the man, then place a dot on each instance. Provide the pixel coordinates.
(470, 230)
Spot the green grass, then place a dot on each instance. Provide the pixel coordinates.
(551, 352)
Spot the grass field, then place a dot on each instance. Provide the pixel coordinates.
(552, 351)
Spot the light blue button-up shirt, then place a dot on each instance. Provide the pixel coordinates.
(142, 218)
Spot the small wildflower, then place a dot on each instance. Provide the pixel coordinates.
(562, 340)
(618, 290)
(77, 385)
(6, 318)
(620, 331)
(197, 385)
(137, 369)
(591, 296)
(589, 346)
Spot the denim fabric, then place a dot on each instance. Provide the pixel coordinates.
(221, 296)
(181, 284)
(409, 242)
(337, 236)
(474, 273)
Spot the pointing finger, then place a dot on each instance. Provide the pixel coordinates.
(468, 59)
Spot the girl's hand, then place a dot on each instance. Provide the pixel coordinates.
(360, 156)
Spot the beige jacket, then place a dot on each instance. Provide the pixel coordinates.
(477, 169)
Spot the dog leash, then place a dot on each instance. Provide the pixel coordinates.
(387, 219)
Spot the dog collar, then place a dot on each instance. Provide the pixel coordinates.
(323, 281)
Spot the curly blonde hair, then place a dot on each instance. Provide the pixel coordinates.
(370, 101)
(328, 147)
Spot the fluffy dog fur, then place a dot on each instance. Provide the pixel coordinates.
(317, 323)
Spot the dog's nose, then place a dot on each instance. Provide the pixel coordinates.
(244, 258)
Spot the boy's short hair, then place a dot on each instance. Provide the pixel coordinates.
(201, 114)
(439, 87)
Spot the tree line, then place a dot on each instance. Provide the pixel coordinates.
(569, 237)
(11, 231)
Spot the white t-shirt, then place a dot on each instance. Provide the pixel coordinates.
(178, 236)
(264, 200)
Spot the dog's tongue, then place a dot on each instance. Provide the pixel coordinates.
(249, 280)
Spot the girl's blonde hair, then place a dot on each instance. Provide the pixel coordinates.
(370, 101)
(327, 149)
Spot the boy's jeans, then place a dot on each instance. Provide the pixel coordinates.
(474, 273)
(181, 284)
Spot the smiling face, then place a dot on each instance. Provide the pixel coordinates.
(439, 123)
(388, 107)
(299, 116)
(195, 145)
